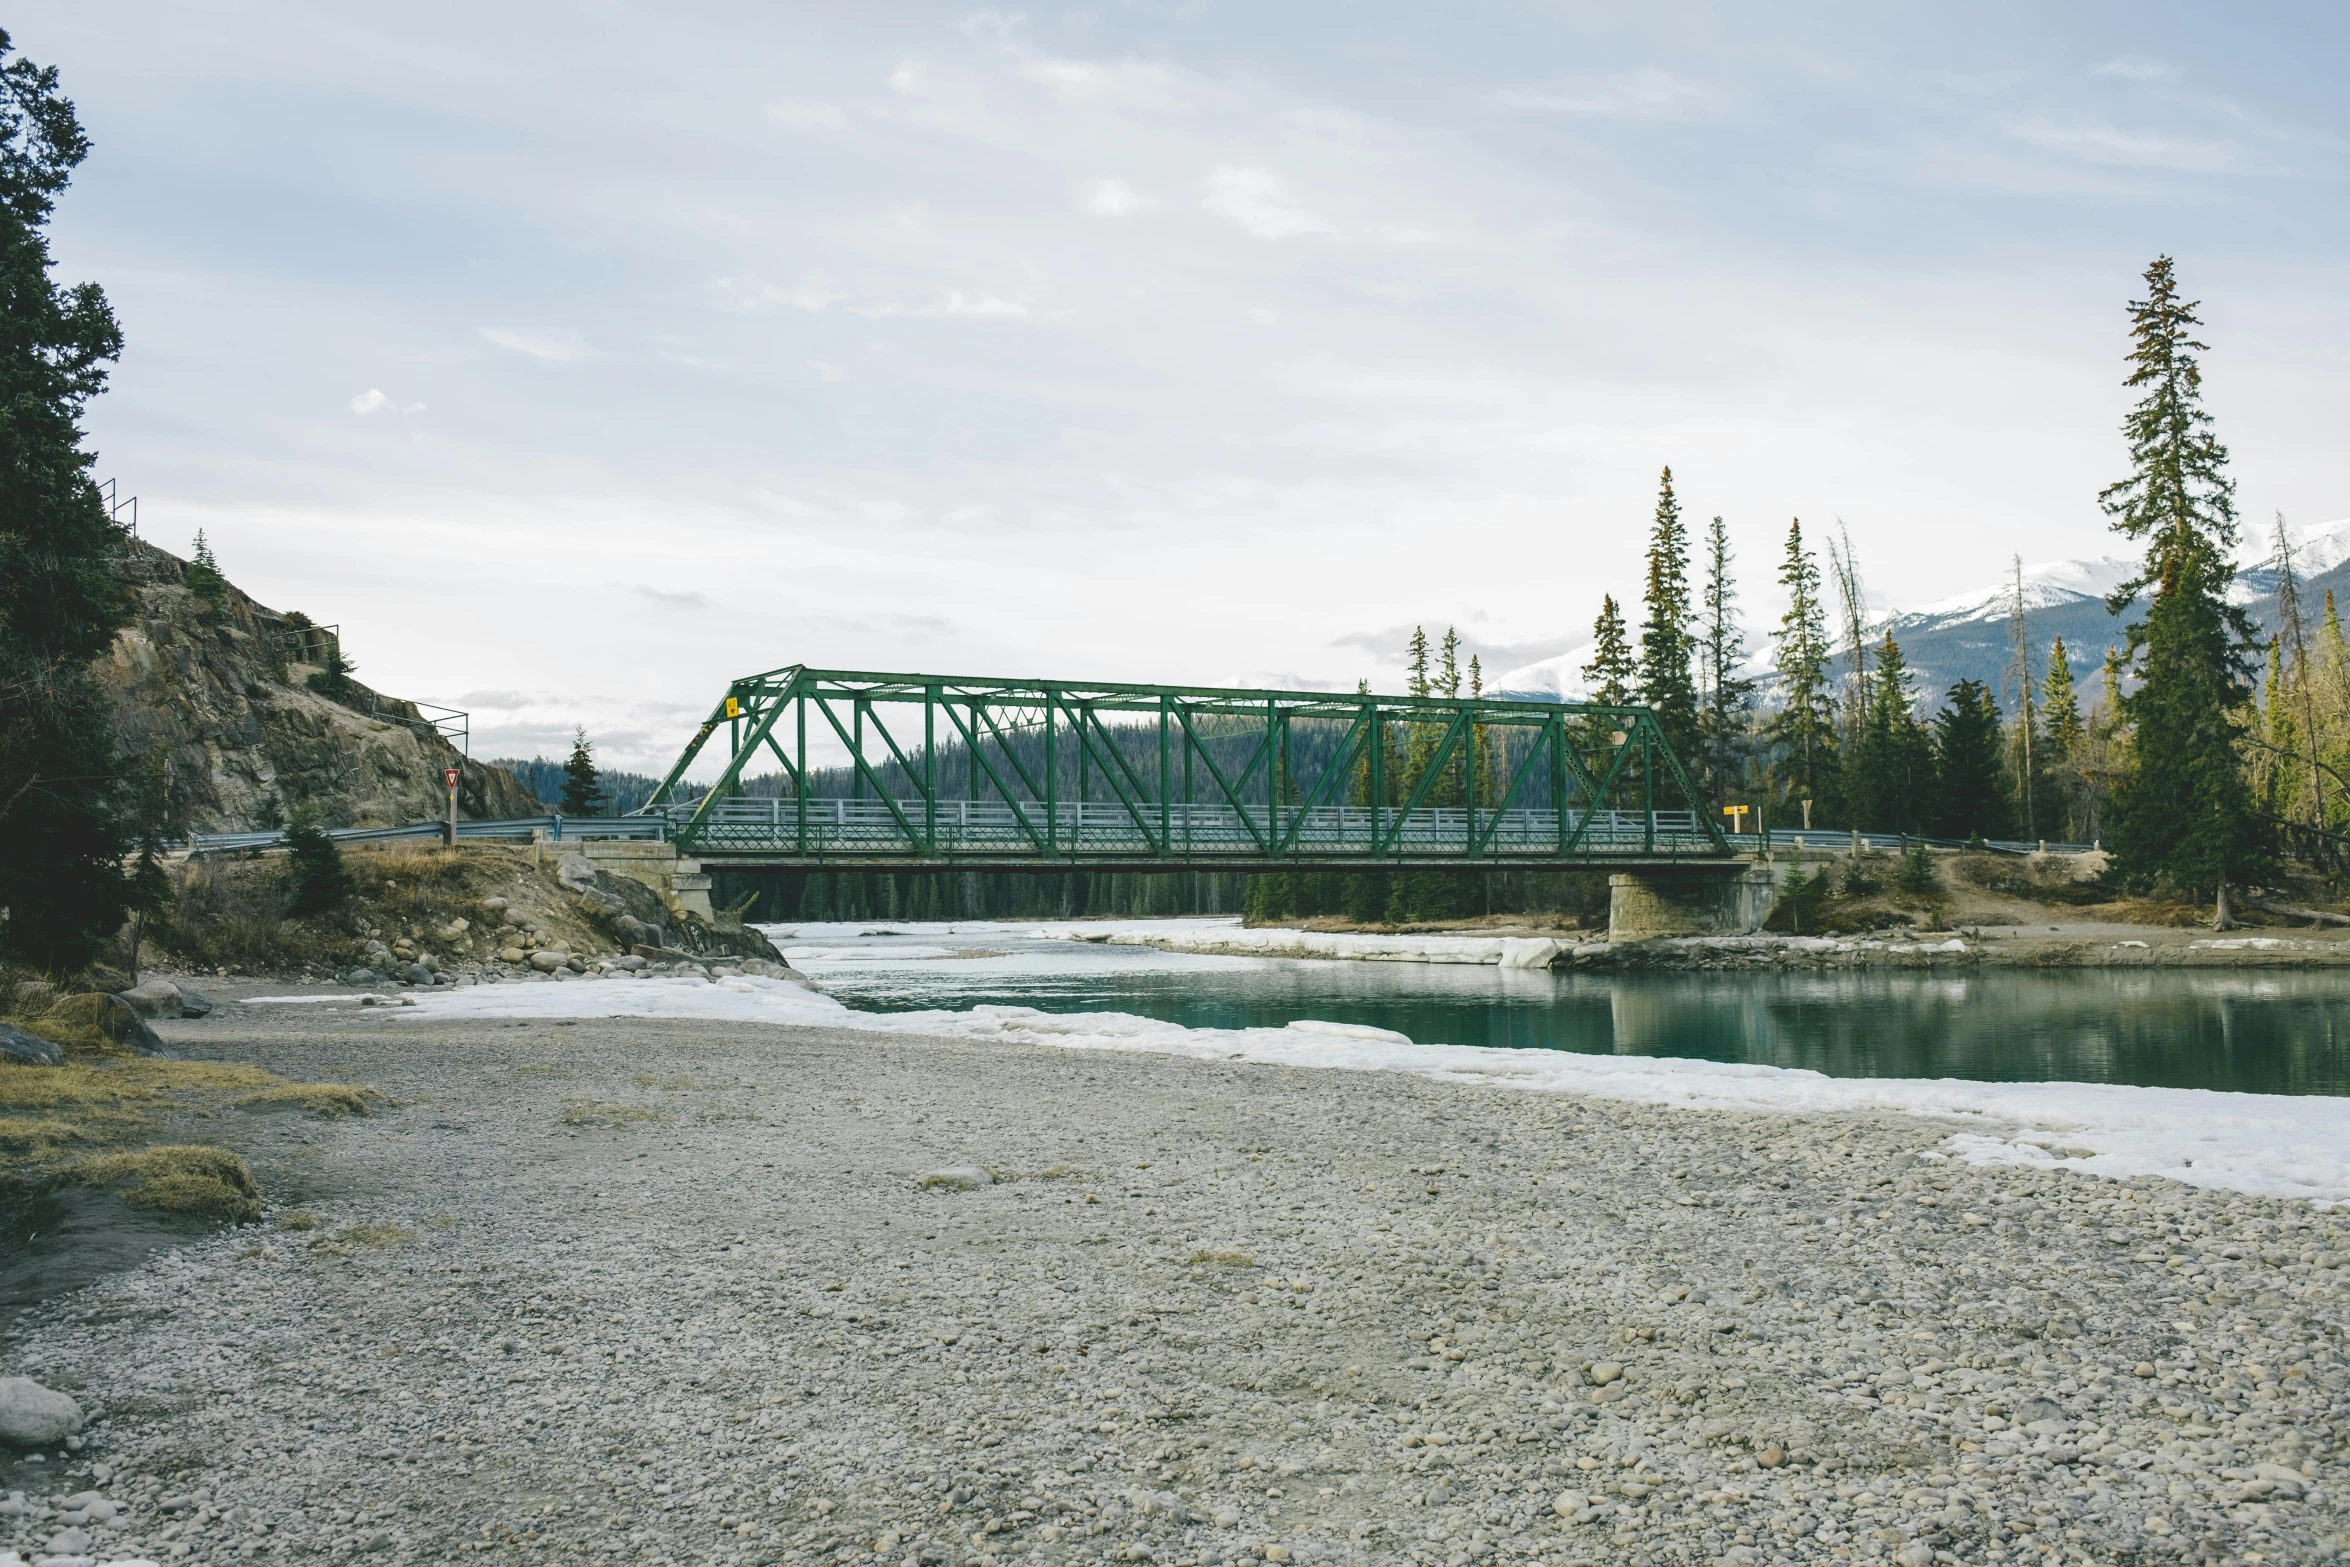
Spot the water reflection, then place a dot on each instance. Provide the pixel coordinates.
(2268, 1032)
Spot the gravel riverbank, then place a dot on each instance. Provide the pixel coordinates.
(658, 1291)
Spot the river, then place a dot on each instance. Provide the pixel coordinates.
(2270, 1031)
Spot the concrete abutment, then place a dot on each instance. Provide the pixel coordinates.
(1696, 900)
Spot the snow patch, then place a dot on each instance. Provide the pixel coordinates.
(1228, 938)
(2268, 1145)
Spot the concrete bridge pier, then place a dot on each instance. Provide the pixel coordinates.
(1693, 900)
(681, 882)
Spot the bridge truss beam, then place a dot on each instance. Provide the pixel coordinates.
(951, 772)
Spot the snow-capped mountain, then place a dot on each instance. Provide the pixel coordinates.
(1965, 636)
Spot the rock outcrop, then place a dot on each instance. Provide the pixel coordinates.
(222, 688)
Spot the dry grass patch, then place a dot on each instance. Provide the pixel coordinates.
(333, 1101)
(379, 1233)
(296, 1219)
(1220, 1259)
(190, 1179)
(39, 1139)
(611, 1117)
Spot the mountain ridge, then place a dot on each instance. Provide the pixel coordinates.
(1965, 635)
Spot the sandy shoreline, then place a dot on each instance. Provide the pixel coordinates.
(635, 1290)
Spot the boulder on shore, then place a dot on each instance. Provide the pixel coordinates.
(34, 1416)
(29, 1049)
(153, 998)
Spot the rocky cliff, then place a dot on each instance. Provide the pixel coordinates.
(240, 702)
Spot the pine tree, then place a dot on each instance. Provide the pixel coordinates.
(1607, 681)
(2272, 765)
(1890, 771)
(2292, 675)
(1409, 892)
(2025, 760)
(63, 796)
(2063, 741)
(1666, 635)
(1805, 726)
(583, 789)
(202, 577)
(1365, 896)
(317, 880)
(1608, 677)
(1971, 798)
(2182, 813)
(2331, 677)
(1487, 791)
(1725, 697)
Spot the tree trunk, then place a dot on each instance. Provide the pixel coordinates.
(2224, 917)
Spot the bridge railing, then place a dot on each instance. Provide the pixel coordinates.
(871, 826)
(559, 829)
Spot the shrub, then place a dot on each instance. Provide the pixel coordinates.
(1801, 902)
(1917, 869)
(320, 882)
(1858, 883)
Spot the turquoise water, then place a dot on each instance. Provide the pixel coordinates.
(2267, 1032)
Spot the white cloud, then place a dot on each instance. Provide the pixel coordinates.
(1256, 200)
(1128, 83)
(560, 348)
(814, 298)
(2136, 68)
(807, 116)
(372, 401)
(1645, 94)
(2113, 147)
(1109, 198)
(952, 304)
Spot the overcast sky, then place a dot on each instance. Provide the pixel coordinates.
(576, 358)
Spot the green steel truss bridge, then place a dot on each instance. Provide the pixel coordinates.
(943, 772)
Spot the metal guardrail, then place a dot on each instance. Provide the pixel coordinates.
(559, 829)
(1829, 840)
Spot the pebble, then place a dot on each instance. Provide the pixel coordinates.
(725, 1333)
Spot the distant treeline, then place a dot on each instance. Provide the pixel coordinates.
(624, 792)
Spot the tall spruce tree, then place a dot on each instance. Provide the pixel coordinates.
(2064, 742)
(1889, 774)
(1805, 727)
(2182, 813)
(1486, 782)
(583, 786)
(1971, 798)
(2026, 764)
(64, 796)
(1607, 679)
(2295, 678)
(1725, 697)
(1667, 634)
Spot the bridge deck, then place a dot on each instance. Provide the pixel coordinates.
(967, 834)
